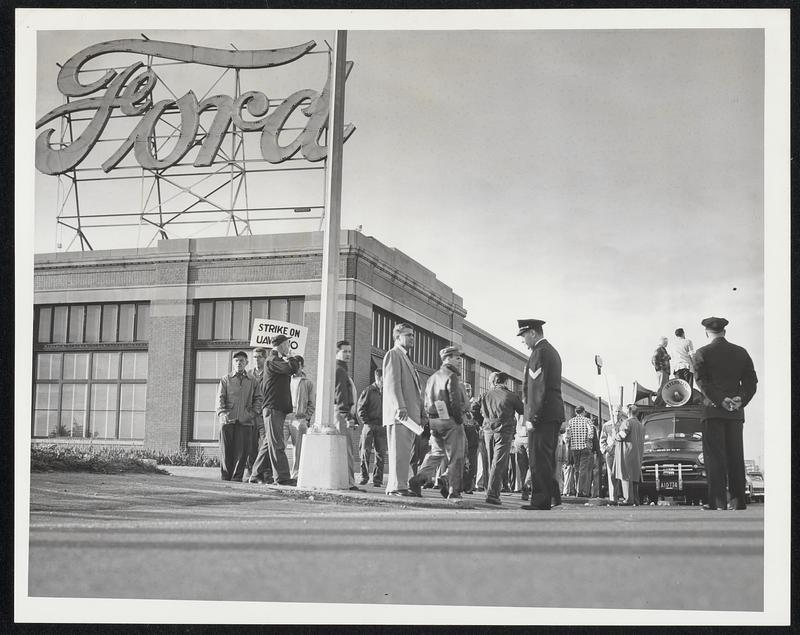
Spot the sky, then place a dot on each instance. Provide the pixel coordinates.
(609, 182)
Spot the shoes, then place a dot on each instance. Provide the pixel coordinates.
(415, 487)
(377, 485)
(256, 479)
(710, 508)
(468, 491)
(292, 482)
(533, 507)
(363, 481)
(493, 501)
(355, 488)
(401, 492)
(269, 480)
(444, 490)
(455, 498)
(525, 495)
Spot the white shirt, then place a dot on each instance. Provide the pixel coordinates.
(685, 351)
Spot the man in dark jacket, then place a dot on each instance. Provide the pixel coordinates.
(727, 379)
(660, 361)
(499, 408)
(345, 401)
(276, 387)
(373, 434)
(544, 412)
(444, 404)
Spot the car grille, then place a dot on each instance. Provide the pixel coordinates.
(679, 472)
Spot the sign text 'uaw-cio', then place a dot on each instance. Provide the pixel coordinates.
(130, 91)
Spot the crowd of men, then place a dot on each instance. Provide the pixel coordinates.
(440, 435)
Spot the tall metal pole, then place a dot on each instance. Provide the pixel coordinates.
(330, 249)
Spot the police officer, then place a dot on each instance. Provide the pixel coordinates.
(727, 379)
(544, 412)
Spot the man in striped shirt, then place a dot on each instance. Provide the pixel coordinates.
(580, 433)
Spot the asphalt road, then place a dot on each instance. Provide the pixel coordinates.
(177, 537)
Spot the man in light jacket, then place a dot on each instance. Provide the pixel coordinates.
(298, 421)
(402, 401)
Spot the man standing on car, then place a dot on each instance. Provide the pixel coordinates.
(727, 379)
(660, 362)
(544, 412)
(684, 368)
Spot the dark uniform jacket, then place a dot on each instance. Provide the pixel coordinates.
(277, 381)
(444, 385)
(724, 370)
(370, 406)
(342, 392)
(498, 409)
(542, 385)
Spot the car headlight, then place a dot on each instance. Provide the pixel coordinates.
(700, 459)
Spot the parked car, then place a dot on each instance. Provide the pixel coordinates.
(672, 463)
(754, 487)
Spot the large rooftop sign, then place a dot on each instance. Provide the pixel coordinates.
(157, 140)
(131, 92)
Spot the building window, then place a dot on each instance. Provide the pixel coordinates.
(484, 383)
(94, 394)
(210, 366)
(468, 371)
(426, 344)
(92, 323)
(231, 320)
(223, 327)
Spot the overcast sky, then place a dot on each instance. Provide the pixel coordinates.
(608, 182)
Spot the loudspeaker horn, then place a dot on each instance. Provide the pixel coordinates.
(641, 393)
(676, 392)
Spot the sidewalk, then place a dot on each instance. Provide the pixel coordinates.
(372, 495)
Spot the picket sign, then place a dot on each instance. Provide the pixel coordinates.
(264, 331)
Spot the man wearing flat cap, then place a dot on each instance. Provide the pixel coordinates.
(727, 379)
(444, 405)
(276, 387)
(544, 412)
(499, 408)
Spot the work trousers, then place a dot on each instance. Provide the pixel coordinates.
(498, 446)
(582, 463)
(372, 437)
(419, 449)
(630, 492)
(723, 450)
(686, 375)
(294, 429)
(596, 467)
(399, 441)
(447, 443)
(614, 485)
(272, 448)
(482, 471)
(251, 446)
(522, 457)
(234, 440)
(473, 435)
(569, 480)
(542, 444)
(663, 378)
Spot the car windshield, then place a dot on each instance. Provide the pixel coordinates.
(673, 427)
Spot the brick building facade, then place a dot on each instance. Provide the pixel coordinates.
(129, 344)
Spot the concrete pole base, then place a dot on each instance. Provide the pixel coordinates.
(323, 462)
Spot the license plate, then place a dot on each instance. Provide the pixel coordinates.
(669, 484)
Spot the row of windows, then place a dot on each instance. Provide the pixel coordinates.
(98, 395)
(426, 344)
(92, 323)
(231, 320)
(514, 385)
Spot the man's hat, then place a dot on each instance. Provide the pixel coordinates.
(715, 324)
(449, 350)
(525, 325)
(279, 339)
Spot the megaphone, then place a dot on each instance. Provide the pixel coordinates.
(641, 393)
(676, 392)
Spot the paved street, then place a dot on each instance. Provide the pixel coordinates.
(183, 537)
